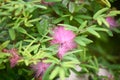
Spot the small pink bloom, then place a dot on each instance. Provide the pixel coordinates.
(14, 56)
(111, 21)
(65, 40)
(39, 69)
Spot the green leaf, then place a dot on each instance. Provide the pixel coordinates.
(98, 13)
(28, 24)
(96, 62)
(99, 20)
(79, 41)
(85, 69)
(4, 14)
(100, 29)
(46, 40)
(65, 2)
(53, 59)
(105, 22)
(57, 10)
(79, 20)
(50, 61)
(4, 55)
(40, 6)
(91, 66)
(47, 72)
(70, 58)
(62, 74)
(54, 73)
(26, 62)
(18, 11)
(40, 55)
(106, 2)
(3, 45)
(83, 55)
(42, 26)
(71, 7)
(83, 16)
(83, 25)
(86, 40)
(92, 31)
(66, 65)
(22, 30)
(33, 48)
(34, 20)
(12, 34)
(110, 33)
(58, 20)
(71, 52)
(70, 64)
(71, 17)
(79, 7)
(82, 40)
(113, 13)
(69, 27)
(2, 66)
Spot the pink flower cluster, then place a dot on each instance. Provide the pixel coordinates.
(14, 56)
(39, 68)
(65, 40)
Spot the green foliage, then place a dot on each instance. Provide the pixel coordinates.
(27, 26)
(82, 40)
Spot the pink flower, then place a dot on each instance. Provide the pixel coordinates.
(14, 56)
(39, 69)
(112, 22)
(65, 40)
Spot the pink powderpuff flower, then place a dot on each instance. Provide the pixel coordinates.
(111, 21)
(65, 40)
(39, 69)
(14, 56)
